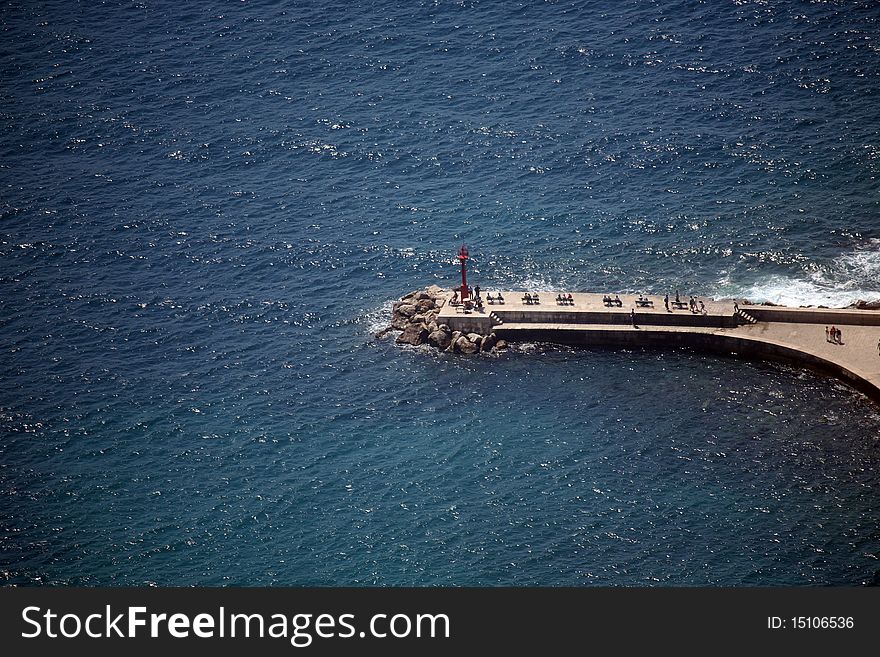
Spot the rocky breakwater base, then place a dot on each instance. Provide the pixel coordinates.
(415, 314)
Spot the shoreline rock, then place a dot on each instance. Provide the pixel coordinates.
(415, 315)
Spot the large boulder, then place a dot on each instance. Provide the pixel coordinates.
(424, 305)
(439, 339)
(476, 338)
(488, 342)
(453, 342)
(414, 335)
(501, 344)
(465, 346)
(399, 322)
(436, 292)
(406, 309)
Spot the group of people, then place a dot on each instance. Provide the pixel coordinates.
(529, 299)
(608, 301)
(474, 298)
(695, 305)
(834, 335)
(470, 292)
(495, 299)
(564, 300)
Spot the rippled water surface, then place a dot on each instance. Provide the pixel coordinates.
(207, 208)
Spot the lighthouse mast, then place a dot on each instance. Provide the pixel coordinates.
(463, 258)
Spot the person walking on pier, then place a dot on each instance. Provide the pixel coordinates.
(827, 334)
(632, 316)
(666, 302)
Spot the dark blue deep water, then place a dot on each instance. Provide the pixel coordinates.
(207, 208)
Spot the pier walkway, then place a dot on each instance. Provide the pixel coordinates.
(753, 331)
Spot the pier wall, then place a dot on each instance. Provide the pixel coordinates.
(613, 316)
(723, 344)
(813, 315)
(484, 322)
(793, 335)
(473, 322)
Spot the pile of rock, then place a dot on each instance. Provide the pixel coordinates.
(416, 315)
(861, 304)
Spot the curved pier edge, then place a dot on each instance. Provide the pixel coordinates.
(740, 346)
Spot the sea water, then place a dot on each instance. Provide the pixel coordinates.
(206, 210)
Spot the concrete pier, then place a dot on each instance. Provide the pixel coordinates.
(795, 335)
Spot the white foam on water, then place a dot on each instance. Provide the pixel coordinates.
(793, 292)
(837, 284)
(379, 319)
(529, 281)
(538, 284)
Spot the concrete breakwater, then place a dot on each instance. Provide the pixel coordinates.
(764, 332)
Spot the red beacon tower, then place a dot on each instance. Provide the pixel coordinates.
(463, 258)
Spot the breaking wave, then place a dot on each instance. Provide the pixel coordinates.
(839, 283)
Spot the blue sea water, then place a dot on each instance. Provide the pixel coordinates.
(206, 210)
